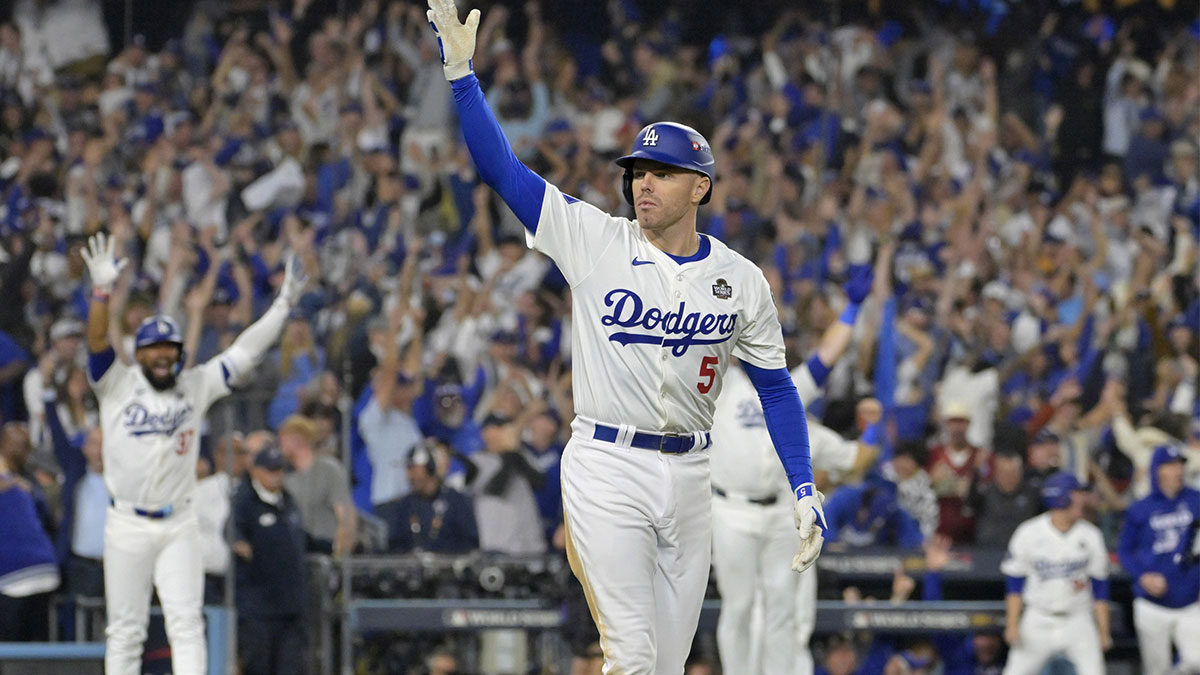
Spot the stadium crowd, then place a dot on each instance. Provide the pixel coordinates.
(1022, 177)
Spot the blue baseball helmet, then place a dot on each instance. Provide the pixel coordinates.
(158, 329)
(672, 144)
(1056, 491)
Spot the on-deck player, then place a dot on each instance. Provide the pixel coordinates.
(660, 312)
(1166, 582)
(1057, 573)
(150, 414)
(753, 535)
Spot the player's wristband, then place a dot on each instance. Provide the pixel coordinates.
(806, 490)
(100, 294)
(850, 314)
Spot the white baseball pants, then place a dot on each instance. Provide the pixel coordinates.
(1043, 635)
(140, 552)
(753, 547)
(806, 617)
(639, 539)
(1157, 627)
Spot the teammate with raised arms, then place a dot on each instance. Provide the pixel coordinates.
(150, 415)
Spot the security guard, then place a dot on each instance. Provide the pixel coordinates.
(269, 544)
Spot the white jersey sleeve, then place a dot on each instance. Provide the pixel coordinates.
(573, 233)
(830, 452)
(806, 385)
(211, 382)
(1016, 561)
(760, 342)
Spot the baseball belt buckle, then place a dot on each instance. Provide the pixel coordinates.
(662, 439)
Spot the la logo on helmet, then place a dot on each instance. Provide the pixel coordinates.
(651, 137)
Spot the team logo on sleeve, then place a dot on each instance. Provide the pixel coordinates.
(676, 328)
(722, 289)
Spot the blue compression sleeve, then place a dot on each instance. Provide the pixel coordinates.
(818, 370)
(99, 362)
(786, 423)
(1014, 584)
(519, 187)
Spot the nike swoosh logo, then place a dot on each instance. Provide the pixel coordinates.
(637, 262)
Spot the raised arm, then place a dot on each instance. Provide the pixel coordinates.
(104, 268)
(498, 166)
(385, 376)
(837, 338)
(246, 351)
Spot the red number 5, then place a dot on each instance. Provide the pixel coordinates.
(707, 370)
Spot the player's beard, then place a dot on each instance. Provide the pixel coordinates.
(159, 383)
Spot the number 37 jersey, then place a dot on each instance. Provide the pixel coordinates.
(651, 337)
(151, 437)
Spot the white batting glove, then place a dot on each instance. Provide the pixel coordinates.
(294, 281)
(101, 261)
(810, 521)
(456, 40)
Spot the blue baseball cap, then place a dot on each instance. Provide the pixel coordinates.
(1056, 491)
(1168, 453)
(270, 458)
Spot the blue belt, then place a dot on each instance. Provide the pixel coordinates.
(164, 512)
(676, 444)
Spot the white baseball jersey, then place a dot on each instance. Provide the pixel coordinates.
(743, 458)
(1057, 566)
(151, 437)
(666, 331)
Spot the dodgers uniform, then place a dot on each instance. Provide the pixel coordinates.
(753, 534)
(639, 522)
(151, 442)
(1059, 575)
(1154, 540)
(652, 336)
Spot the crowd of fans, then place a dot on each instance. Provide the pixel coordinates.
(1024, 176)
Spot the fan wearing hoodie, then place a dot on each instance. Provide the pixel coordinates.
(1167, 605)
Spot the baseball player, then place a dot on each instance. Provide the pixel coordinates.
(753, 535)
(150, 414)
(1166, 608)
(1057, 572)
(659, 313)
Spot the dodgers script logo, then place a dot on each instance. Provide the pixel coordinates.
(139, 421)
(627, 312)
(750, 414)
(1055, 569)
